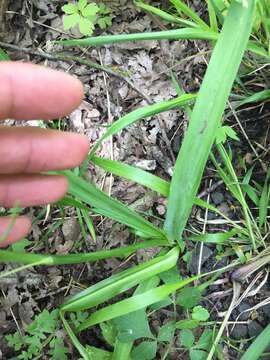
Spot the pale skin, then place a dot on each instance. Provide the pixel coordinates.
(29, 92)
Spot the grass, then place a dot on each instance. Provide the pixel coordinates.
(157, 282)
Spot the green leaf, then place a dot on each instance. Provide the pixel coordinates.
(206, 116)
(104, 22)
(187, 338)
(105, 205)
(134, 303)
(197, 354)
(214, 238)
(70, 21)
(3, 55)
(86, 26)
(224, 132)
(187, 324)
(108, 332)
(134, 174)
(98, 354)
(170, 276)
(205, 340)
(132, 326)
(166, 332)
(59, 351)
(15, 341)
(264, 202)
(199, 313)
(70, 9)
(145, 351)
(20, 246)
(188, 297)
(90, 11)
(182, 7)
(82, 4)
(118, 283)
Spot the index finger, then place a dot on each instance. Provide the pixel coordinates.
(31, 91)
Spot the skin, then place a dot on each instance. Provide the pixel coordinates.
(30, 92)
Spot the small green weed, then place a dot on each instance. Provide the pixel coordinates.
(40, 338)
(86, 16)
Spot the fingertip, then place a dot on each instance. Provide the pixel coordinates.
(12, 231)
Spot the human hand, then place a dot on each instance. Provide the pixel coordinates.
(28, 92)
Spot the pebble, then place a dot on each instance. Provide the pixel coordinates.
(206, 254)
(266, 311)
(240, 331)
(217, 197)
(242, 307)
(254, 329)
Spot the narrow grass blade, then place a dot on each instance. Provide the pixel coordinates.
(181, 7)
(258, 346)
(81, 349)
(206, 116)
(116, 284)
(105, 205)
(134, 303)
(264, 202)
(164, 15)
(185, 34)
(257, 97)
(142, 113)
(134, 174)
(212, 16)
(7, 256)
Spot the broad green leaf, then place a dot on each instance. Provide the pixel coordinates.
(97, 353)
(205, 340)
(134, 303)
(133, 326)
(118, 283)
(199, 313)
(197, 354)
(206, 116)
(187, 324)
(90, 11)
(20, 246)
(146, 350)
(105, 205)
(142, 113)
(82, 4)
(258, 346)
(170, 276)
(70, 21)
(188, 297)
(166, 332)
(187, 338)
(86, 26)
(70, 9)
(108, 332)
